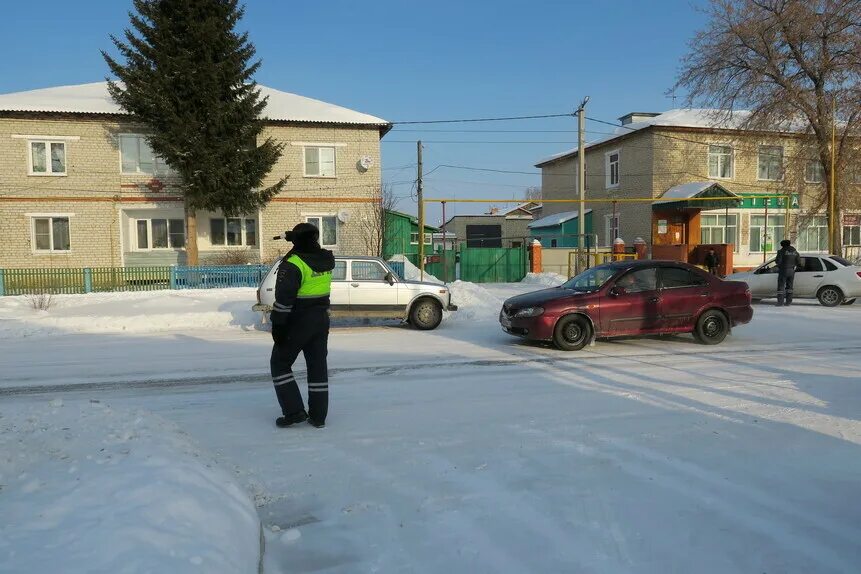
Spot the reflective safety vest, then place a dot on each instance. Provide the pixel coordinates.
(314, 283)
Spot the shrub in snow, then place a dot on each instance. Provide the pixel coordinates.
(41, 301)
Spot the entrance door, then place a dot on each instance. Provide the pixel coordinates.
(677, 233)
(634, 308)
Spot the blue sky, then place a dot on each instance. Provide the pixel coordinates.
(404, 60)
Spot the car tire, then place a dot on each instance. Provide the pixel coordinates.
(755, 300)
(848, 301)
(572, 333)
(712, 327)
(830, 296)
(425, 314)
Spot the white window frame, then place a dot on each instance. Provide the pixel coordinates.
(48, 143)
(737, 227)
(334, 149)
(159, 165)
(782, 161)
(135, 245)
(608, 166)
(50, 216)
(731, 160)
(414, 238)
(608, 227)
(243, 232)
(320, 216)
(807, 171)
(850, 229)
(775, 240)
(802, 241)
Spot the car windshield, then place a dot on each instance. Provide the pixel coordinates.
(590, 280)
(840, 260)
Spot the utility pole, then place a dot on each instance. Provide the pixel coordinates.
(832, 215)
(581, 181)
(420, 193)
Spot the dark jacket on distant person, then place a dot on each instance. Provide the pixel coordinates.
(788, 260)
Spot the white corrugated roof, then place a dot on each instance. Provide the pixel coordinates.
(687, 118)
(555, 219)
(687, 191)
(95, 99)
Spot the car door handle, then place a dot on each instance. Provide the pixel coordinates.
(819, 275)
(654, 299)
(354, 284)
(706, 294)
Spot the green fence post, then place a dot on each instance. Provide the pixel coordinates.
(2, 282)
(172, 277)
(88, 280)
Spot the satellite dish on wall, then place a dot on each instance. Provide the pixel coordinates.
(343, 216)
(365, 163)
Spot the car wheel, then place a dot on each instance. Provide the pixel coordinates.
(425, 314)
(572, 333)
(712, 327)
(830, 296)
(848, 301)
(755, 300)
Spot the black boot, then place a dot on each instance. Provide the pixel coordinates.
(316, 423)
(293, 419)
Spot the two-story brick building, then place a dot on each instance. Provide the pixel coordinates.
(650, 155)
(80, 187)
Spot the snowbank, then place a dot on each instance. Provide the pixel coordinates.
(413, 273)
(546, 279)
(89, 488)
(474, 302)
(137, 312)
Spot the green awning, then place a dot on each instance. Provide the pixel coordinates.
(701, 195)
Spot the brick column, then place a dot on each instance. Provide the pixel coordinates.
(535, 256)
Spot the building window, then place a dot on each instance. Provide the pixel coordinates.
(764, 236)
(719, 228)
(852, 229)
(328, 226)
(51, 234)
(47, 158)
(720, 161)
(611, 228)
(770, 162)
(319, 161)
(814, 235)
(160, 234)
(814, 172)
(612, 169)
(414, 238)
(136, 156)
(229, 231)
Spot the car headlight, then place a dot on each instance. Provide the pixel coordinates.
(530, 312)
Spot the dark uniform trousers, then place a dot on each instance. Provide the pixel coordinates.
(308, 333)
(784, 287)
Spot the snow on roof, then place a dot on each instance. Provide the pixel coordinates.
(688, 118)
(94, 99)
(688, 190)
(555, 219)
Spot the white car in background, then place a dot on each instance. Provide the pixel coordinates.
(829, 278)
(367, 287)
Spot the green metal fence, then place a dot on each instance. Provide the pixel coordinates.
(101, 279)
(493, 264)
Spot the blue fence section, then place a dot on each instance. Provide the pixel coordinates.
(397, 267)
(217, 277)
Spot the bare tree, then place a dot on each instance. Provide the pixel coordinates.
(532, 193)
(788, 62)
(374, 228)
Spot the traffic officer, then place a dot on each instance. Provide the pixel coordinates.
(300, 323)
(788, 260)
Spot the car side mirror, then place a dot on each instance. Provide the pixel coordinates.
(616, 290)
(390, 278)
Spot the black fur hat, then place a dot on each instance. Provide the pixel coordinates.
(785, 243)
(303, 235)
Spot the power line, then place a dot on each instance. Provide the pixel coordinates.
(469, 120)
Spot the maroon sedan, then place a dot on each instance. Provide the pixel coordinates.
(642, 297)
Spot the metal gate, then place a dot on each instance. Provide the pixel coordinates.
(493, 264)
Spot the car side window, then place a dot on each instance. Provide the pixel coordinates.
(812, 264)
(673, 277)
(368, 271)
(339, 273)
(639, 280)
(829, 266)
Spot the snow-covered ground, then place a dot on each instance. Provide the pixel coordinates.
(465, 450)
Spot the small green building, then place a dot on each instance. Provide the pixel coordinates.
(561, 229)
(401, 235)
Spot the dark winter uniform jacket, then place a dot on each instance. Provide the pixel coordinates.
(288, 306)
(788, 260)
(712, 260)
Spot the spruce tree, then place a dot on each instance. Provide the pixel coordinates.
(188, 76)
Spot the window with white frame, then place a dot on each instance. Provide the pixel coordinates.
(319, 161)
(159, 233)
(813, 235)
(852, 229)
(611, 160)
(719, 228)
(233, 231)
(765, 235)
(611, 227)
(720, 161)
(770, 163)
(47, 157)
(814, 172)
(414, 238)
(136, 156)
(51, 234)
(328, 226)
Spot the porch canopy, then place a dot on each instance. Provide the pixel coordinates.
(691, 196)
